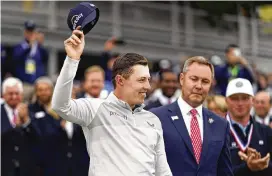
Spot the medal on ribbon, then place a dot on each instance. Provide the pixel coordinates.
(237, 139)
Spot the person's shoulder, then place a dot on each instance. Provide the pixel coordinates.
(263, 128)
(221, 66)
(22, 44)
(94, 100)
(2, 105)
(152, 104)
(150, 116)
(160, 109)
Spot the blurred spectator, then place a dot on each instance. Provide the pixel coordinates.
(3, 58)
(269, 80)
(68, 155)
(217, 104)
(29, 59)
(3, 54)
(165, 64)
(107, 61)
(177, 68)
(262, 104)
(43, 94)
(236, 67)
(168, 85)
(18, 134)
(6, 69)
(94, 83)
(44, 52)
(262, 83)
(154, 83)
(77, 89)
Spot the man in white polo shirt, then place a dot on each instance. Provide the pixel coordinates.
(122, 138)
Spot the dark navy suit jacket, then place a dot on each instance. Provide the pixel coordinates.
(60, 155)
(17, 148)
(215, 155)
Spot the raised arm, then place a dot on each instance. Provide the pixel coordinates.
(79, 111)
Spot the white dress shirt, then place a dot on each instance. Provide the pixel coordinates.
(185, 109)
(264, 121)
(69, 128)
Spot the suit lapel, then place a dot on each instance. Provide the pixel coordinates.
(207, 131)
(5, 123)
(180, 125)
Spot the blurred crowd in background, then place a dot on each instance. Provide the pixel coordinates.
(58, 147)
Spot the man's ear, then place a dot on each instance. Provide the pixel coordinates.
(119, 80)
(181, 77)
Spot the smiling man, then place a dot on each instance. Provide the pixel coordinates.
(122, 138)
(196, 140)
(167, 93)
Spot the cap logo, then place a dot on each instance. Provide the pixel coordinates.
(75, 20)
(239, 84)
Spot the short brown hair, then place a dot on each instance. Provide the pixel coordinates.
(94, 68)
(200, 60)
(124, 63)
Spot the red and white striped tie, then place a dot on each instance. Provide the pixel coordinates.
(195, 135)
(14, 117)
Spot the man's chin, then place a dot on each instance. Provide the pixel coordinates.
(140, 101)
(197, 101)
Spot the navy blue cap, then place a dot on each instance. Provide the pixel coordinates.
(30, 25)
(85, 15)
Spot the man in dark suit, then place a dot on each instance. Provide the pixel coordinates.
(68, 156)
(251, 142)
(196, 140)
(18, 134)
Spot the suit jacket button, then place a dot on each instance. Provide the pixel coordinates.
(69, 155)
(16, 148)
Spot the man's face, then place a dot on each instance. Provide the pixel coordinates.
(263, 82)
(30, 35)
(13, 96)
(261, 104)
(232, 56)
(44, 92)
(135, 87)
(94, 84)
(239, 105)
(196, 83)
(169, 83)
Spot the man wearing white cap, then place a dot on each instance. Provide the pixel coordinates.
(251, 142)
